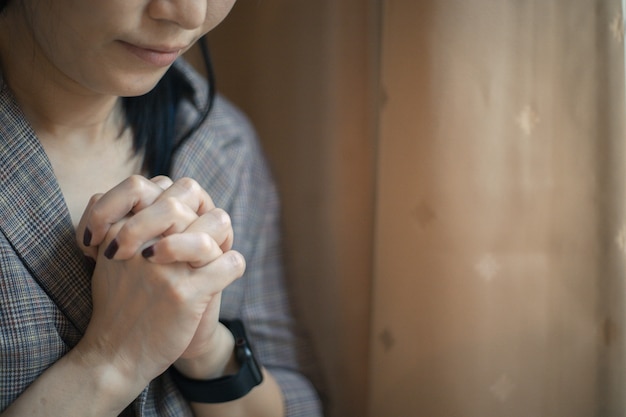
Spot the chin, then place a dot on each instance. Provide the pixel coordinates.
(136, 92)
(138, 87)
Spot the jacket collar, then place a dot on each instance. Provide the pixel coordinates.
(35, 219)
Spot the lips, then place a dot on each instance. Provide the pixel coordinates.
(156, 56)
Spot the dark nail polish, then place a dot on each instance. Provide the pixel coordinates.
(148, 252)
(87, 237)
(110, 251)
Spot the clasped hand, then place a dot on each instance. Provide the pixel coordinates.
(163, 256)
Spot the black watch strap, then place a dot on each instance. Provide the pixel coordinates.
(228, 387)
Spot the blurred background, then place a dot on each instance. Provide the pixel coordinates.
(453, 180)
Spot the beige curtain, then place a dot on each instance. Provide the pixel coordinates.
(454, 181)
(501, 225)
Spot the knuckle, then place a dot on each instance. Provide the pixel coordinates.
(189, 185)
(174, 206)
(206, 243)
(237, 261)
(138, 185)
(136, 182)
(222, 216)
(94, 198)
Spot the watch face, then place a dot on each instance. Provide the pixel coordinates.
(255, 369)
(244, 354)
(246, 357)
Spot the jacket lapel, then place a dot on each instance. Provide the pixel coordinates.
(35, 219)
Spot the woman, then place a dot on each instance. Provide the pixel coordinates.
(114, 261)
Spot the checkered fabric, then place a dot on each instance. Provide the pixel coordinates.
(45, 302)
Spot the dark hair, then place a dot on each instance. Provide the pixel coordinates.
(152, 117)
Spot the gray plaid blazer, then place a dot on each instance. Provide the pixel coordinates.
(45, 301)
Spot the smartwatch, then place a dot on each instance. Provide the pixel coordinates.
(228, 387)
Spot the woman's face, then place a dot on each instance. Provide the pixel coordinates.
(118, 47)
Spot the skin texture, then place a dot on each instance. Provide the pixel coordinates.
(162, 249)
(82, 43)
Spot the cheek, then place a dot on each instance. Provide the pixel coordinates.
(65, 40)
(217, 11)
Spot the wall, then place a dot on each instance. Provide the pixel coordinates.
(305, 73)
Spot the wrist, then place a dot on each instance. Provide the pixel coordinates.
(115, 387)
(214, 363)
(224, 388)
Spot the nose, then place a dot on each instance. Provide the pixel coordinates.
(188, 14)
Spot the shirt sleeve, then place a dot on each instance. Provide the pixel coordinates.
(267, 305)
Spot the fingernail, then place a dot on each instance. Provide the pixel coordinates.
(148, 252)
(87, 237)
(110, 251)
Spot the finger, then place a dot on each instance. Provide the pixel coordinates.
(206, 238)
(83, 235)
(110, 236)
(162, 181)
(196, 249)
(130, 196)
(191, 193)
(217, 224)
(220, 273)
(163, 218)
